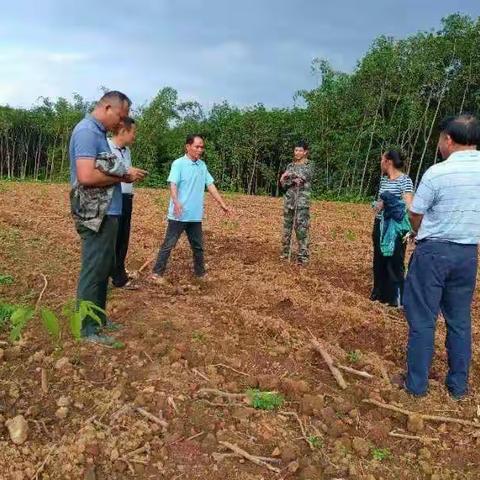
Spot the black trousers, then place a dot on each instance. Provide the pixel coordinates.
(195, 237)
(119, 276)
(388, 272)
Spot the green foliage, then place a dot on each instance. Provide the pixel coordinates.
(381, 454)
(51, 324)
(6, 311)
(198, 336)
(354, 356)
(77, 315)
(6, 279)
(315, 441)
(350, 235)
(18, 321)
(265, 400)
(394, 98)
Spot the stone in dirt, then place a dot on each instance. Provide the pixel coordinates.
(290, 453)
(311, 404)
(361, 447)
(415, 424)
(64, 401)
(311, 473)
(63, 364)
(293, 466)
(62, 413)
(18, 429)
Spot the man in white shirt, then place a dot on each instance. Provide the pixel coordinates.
(119, 143)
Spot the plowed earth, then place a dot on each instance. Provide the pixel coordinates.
(246, 327)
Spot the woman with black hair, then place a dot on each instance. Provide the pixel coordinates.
(389, 271)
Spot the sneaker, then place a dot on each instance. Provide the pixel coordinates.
(100, 339)
(111, 326)
(457, 397)
(399, 381)
(157, 279)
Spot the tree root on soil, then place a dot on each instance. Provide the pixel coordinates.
(302, 427)
(395, 434)
(337, 374)
(260, 461)
(432, 418)
(152, 417)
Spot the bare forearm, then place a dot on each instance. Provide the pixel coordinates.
(173, 192)
(415, 220)
(216, 195)
(96, 178)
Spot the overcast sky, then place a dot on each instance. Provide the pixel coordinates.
(243, 51)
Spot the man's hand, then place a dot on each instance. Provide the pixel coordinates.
(298, 181)
(135, 174)
(284, 176)
(227, 210)
(177, 209)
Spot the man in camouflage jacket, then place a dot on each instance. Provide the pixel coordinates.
(297, 180)
(96, 203)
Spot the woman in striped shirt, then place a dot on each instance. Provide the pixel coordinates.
(389, 272)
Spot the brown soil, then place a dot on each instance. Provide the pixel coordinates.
(251, 316)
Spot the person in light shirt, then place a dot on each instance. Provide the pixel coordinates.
(441, 277)
(189, 176)
(123, 137)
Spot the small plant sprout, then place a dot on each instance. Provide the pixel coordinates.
(381, 454)
(6, 279)
(354, 356)
(265, 400)
(315, 441)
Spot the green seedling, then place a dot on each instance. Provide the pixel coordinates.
(6, 311)
(198, 336)
(354, 356)
(265, 400)
(18, 321)
(51, 324)
(381, 454)
(350, 235)
(6, 279)
(315, 442)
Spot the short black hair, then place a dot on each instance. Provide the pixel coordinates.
(128, 123)
(302, 144)
(191, 138)
(115, 95)
(396, 157)
(463, 129)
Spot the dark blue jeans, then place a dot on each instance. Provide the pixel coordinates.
(441, 277)
(195, 237)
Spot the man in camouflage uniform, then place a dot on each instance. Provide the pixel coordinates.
(297, 180)
(96, 201)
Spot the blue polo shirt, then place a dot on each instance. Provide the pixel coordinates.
(448, 197)
(191, 178)
(89, 139)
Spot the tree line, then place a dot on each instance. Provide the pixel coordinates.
(394, 98)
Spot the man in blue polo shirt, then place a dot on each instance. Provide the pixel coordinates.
(443, 269)
(96, 201)
(188, 179)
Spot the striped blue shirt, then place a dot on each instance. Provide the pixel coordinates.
(397, 187)
(448, 197)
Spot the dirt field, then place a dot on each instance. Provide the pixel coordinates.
(247, 327)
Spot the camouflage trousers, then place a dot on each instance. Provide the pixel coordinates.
(301, 225)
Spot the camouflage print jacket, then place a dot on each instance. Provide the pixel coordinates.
(298, 196)
(89, 204)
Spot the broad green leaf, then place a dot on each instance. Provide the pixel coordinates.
(51, 323)
(76, 325)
